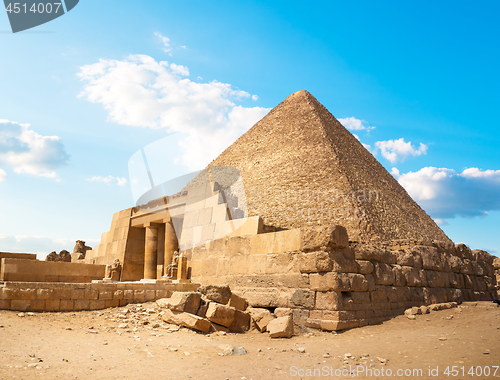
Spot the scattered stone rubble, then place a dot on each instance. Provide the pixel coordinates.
(80, 251)
(202, 311)
(215, 308)
(63, 256)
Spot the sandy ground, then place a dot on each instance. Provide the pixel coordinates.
(89, 345)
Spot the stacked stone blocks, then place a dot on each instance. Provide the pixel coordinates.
(41, 296)
(333, 284)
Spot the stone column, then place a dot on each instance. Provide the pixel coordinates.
(160, 255)
(150, 252)
(171, 244)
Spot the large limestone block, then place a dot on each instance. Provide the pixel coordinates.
(220, 314)
(431, 258)
(219, 213)
(374, 253)
(399, 277)
(287, 241)
(261, 318)
(241, 322)
(216, 293)
(187, 320)
(281, 327)
(330, 281)
(365, 267)
(328, 301)
(324, 238)
(343, 262)
(262, 244)
(188, 302)
(204, 216)
(383, 274)
(252, 226)
(358, 282)
(302, 298)
(239, 303)
(412, 276)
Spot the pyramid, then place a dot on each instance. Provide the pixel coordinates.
(301, 167)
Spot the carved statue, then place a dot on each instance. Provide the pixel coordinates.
(113, 271)
(171, 271)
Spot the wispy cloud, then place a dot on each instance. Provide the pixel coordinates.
(399, 150)
(119, 181)
(3, 175)
(139, 91)
(445, 193)
(25, 151)
(354, 124)
(165, 41)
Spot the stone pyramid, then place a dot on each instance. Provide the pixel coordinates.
(301, 167)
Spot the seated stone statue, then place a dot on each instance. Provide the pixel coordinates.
(171, 271)
(113, 271)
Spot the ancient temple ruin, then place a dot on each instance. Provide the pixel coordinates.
(295, 214)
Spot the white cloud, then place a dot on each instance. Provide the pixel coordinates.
(120, 181)
(399, 150)
(25, 151)
(183, 47)
(255, 97)
(165, 41)
(40, 245)
(179, 69)
(354, 124)
(445, 193)
(141, 92)
(3, 175)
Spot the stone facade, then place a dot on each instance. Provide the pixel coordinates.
(331, 284)
(49, 271)
(42, 296)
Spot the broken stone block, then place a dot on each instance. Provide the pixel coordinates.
(413, 311)
(281, 327)
(424, 310)
(187, 320)
(261, 318)
(163, 303)
(216, 293)
(327, 236)
(282, 312)
(202, 310)
(239, 303)
(220, 314)
(185, 301)
(241, 322)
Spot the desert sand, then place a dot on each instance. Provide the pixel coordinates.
(91, 345)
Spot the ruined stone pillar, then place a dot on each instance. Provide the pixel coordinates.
(160, 255)
(171, 243)
(150, 252)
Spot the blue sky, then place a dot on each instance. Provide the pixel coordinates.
(109, 78)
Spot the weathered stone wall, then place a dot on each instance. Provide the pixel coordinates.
(9, 255)
(49, 271)
(332, 285)
(39, 296)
